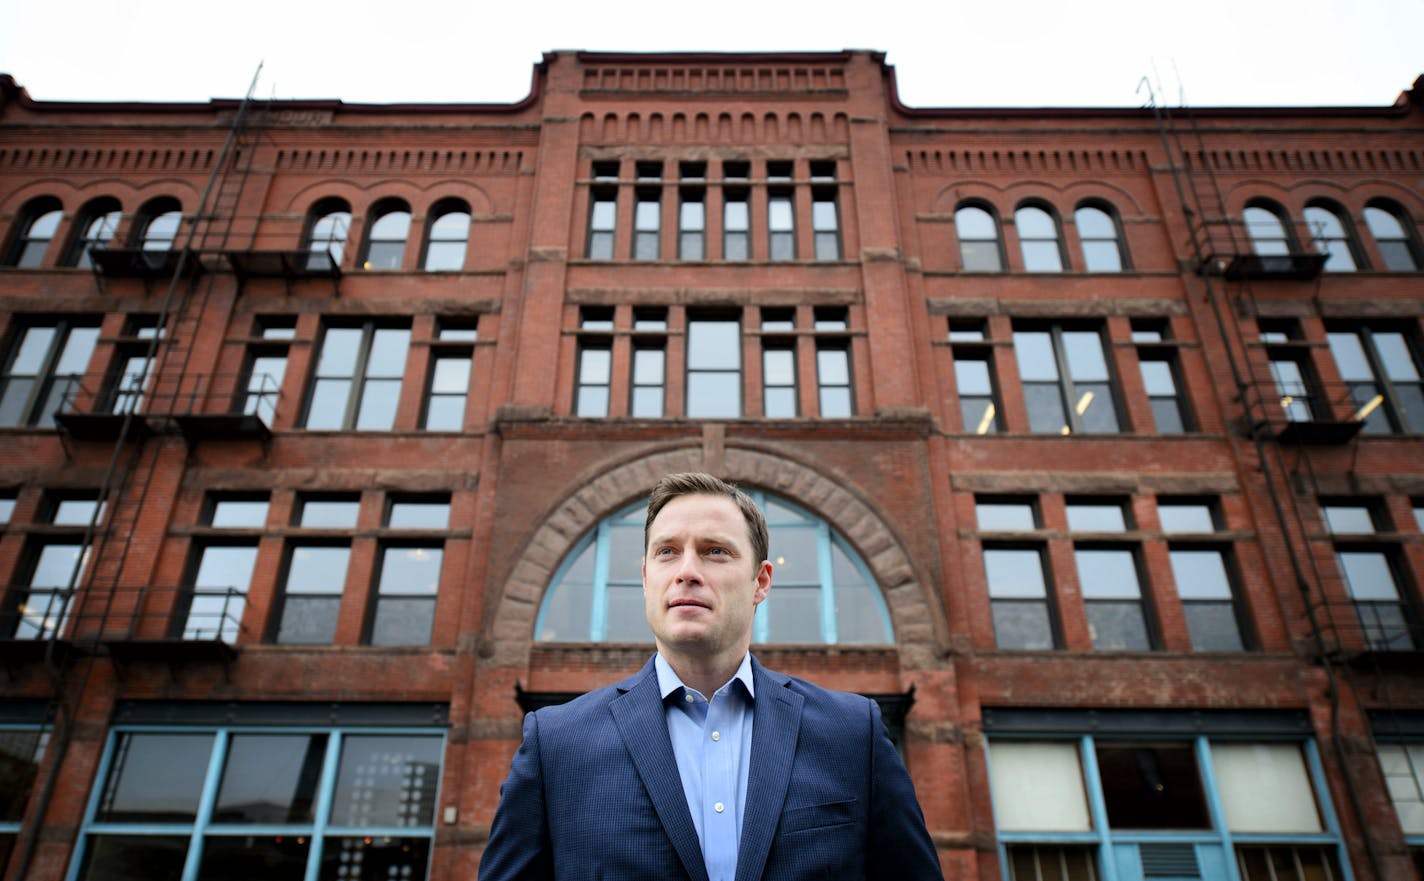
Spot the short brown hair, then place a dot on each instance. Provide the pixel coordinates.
(691, 483)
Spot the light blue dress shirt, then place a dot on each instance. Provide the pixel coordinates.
(712, 742)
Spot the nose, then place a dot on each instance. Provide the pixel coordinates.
(687, 570)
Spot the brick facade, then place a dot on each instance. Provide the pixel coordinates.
(897, 367)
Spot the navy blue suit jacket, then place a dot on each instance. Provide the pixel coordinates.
(594, 793)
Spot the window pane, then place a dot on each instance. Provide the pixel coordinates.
(779, 403)
(567, 609)
(1349, 519)
(378, 405)
(1034, 351)
(1022, 625)
(155, 778)
(410, 571)
(1005, 516)
(317, 569)
(403, 621)
(339, 350)
(308, 620)
(270, 778)
(419, 515)
(328, 404)
(1176, 517)
(1117, 626)
(626, 619)
(1038, 787)
(1045, 408)
(833, 366)
(329, 513)
(1264, 787)
(450, 376)
(794, 555)
(1200, 574)
(245, 857)
(134, 857)
(794, 614)
(1151, 786)
(387, 780)
(239, 513)
(1213, 626)
(1368, 575)
(389, 859)
(647, 366)
(1014, 573)
(1096, 518)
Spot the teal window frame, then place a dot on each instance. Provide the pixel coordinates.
(319, 829)
(1108, 842)
(780, 513)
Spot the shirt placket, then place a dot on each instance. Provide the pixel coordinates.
(719, 786)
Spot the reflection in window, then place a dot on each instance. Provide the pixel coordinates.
(448, 235)
(1112, 599)
(45, 364)
(1097, 230)
(381, 796)
(405, 595)
(385, 242)
(326, 237)
(1267, 231)
(822, 593)
(1208, 602)
(1039, 241)
(358, 378)
(38, 224)
(1066, 383)
(1380, 366)
(221, 577)
(1332, 238)
(714, 368)
(311, 594)
(978, 403)
(978, 234)
(1390, 226)
(96, 228)
(1018, 598)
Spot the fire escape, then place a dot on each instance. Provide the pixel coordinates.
(1297, 429)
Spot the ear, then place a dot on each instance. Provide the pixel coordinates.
(762, 581)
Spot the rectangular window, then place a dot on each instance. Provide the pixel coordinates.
(714, 368)
(357, 382)
(130, 375)
(1052, 862)
(781, 225)
(736, 225)
(379, 804)
(1159, 379)
(1066, 382)
(1369, 570)
(833, 380)
(41, 603)
(1208, 602)
(647, 224)
(595, 376)
(692, 225)
(44, 363)
(1008, 515)
(1403, 767)
(22, 746)
(825, 224)
(649, 379)
(406, 588)
(1294, 387)
(978, 404)
(778, 379)
(1380, 365)
(1112, 598)
(1018, 597)
(602, 222)
(451, 358)
(222, 574)
(311, 594)
(266, 367)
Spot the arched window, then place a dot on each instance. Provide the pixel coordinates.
(329, 222)
(821, 592)
(38, 222)
(385, 239)
(1392, 230)
(1331, 233)
(1039, 241)
(158, 223)
(1102, 243)
(98, 222)
(1267, 230)
(978, 232)
(446, 237)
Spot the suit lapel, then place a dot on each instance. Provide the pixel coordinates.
(639, 715)
(775, 728)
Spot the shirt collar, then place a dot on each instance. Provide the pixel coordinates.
(669, 682)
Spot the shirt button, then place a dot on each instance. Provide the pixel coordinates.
(719, 807)
(688, 697)
(716, 735)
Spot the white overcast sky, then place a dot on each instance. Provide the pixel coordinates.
(1008, 53)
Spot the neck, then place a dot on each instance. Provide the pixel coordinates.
(704, 674)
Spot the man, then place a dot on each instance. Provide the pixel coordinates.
(706, 766)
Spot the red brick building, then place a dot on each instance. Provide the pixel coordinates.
(1090, 439)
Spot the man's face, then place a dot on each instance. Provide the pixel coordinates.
(700, 583)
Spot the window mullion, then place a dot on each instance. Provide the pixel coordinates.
(1097, 807)
(829, 627)
(1066, 389)
(1201, 746)
(598, 620)
(358, 376)
(326, 794)
(211, 781)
